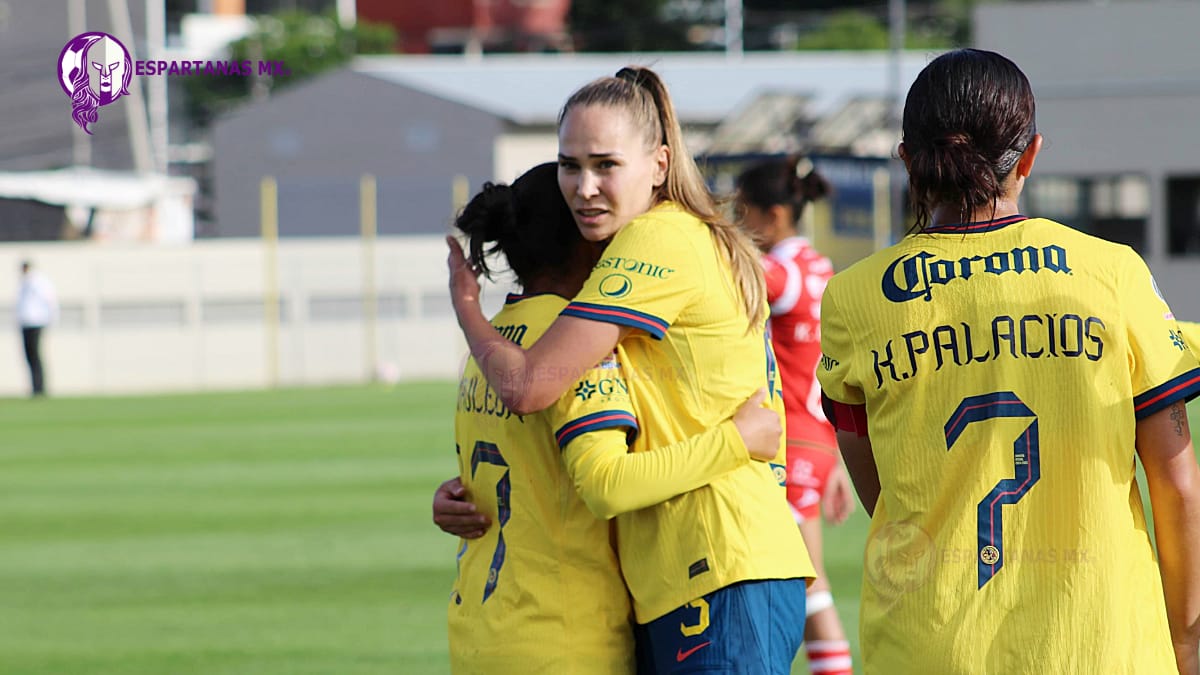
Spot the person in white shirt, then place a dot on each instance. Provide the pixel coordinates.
(37, 307)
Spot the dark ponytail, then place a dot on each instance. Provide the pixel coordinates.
(793, 182)
(489, 218)
(968, 117)
(527, 221)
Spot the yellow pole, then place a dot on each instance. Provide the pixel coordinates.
(269, 220)
(460, 191)
(883, 208)
(369, 225)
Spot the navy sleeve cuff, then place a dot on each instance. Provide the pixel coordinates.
(653, 325)
(605, 419)
(1182, 388)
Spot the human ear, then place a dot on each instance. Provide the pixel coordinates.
(1025, 163)
(903, 152)
(662, 163)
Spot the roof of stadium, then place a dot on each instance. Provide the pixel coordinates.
(529, 89)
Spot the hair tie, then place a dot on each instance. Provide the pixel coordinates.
(630, 75)
(804, 167)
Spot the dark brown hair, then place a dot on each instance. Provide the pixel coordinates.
(968, 117)
(791, 181)
(528, 221)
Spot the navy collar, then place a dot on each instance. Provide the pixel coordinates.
(972, 228)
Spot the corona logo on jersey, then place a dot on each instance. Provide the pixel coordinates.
(912, 277)
(94, 69)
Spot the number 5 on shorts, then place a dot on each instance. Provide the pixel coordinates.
(1027, 470)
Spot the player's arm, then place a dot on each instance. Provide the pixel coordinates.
(455, 514)
(532, 379)
(860, 464)
(842, 399)
(850, 421)
(1173, 477)
(612, 481)
(838, 501)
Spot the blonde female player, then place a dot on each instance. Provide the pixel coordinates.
(771, 197)
(993, 378)
(717, 574)
(542, 592)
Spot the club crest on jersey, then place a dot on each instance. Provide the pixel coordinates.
(610, 362)
(912, 277)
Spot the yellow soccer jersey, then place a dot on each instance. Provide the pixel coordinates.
(1191, 335)
(691, 364)
(541, 591)
(1003, 366)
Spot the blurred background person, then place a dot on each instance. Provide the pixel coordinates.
(37, 308)
(771, 197)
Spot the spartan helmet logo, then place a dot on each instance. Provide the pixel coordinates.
(94, 69)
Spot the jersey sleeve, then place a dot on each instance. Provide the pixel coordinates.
(600, 400)
(1191, 335)
(776, 276)
(645, 279)
(612, 481)
(594, 424)
(1164, 369)
(835, 371)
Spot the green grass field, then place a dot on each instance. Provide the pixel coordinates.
(270, 533)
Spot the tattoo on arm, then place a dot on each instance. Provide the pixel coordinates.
(1179, 417)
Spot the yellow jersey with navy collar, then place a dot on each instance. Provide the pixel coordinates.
(691, 364)
(542, 590)
(1003, 366)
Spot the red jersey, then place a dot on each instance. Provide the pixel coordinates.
(796, 277)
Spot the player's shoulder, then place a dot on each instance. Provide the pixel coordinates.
(528, 315)
(663, 222)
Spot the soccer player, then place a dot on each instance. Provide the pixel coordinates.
(717, 574)
(542, 592)
(992, 378)
(771, 197)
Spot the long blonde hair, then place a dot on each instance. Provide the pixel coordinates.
(642, 93)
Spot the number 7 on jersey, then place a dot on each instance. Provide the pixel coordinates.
(1027, 470)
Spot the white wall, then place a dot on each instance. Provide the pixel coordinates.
(155, 319)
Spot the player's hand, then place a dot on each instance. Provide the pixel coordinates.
(838, 502)
(464, 278)
(454, 514)
(759, 427)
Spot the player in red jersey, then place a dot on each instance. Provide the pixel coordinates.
(771, 197)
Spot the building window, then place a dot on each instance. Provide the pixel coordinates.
(1115, 208)
(1183, 216)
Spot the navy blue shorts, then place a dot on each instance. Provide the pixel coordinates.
(749, 628)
